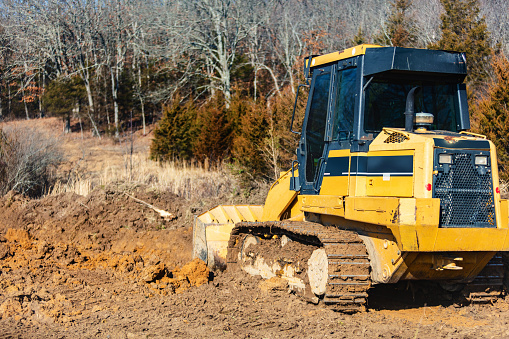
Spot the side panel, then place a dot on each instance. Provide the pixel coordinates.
(382, 174)
(335, 177)
(390, 173)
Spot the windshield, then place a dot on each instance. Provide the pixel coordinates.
(386, 101)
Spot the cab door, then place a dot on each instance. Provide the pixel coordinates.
(336, 175)
(312, 147)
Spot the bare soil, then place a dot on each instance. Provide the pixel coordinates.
(106, 266)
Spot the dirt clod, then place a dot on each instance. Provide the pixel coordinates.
(153, 272)
(196, 272)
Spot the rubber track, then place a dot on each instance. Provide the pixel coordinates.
(349, 269)
(488, 285)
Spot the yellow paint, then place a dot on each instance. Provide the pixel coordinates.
(471, 239)
(434, 239)
(428, 266)
(427, 212)
(473, 134)
(407, 215)
(219, 232)
(373, 210)
(345, 54)
(334, 185)
(390, 186)
(339, 153)
(319, 204)
(279, 198)
(295, 209)
(496, 183)
(224, 214)
(504, 215)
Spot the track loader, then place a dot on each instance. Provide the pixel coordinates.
(387, 185)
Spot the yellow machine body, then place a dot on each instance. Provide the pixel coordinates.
(396, 216)
(401, 233)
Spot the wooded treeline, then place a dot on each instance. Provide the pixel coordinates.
(222, 73)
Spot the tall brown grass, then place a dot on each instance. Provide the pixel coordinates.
(183, 179)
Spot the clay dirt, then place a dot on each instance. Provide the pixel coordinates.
(104, 265)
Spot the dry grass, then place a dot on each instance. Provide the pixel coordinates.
(28, 158)
(184, 180)
(90, 162)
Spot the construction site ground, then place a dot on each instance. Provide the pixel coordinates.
(107, 266)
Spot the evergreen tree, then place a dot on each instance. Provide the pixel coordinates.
(175, 134)
(248, 142)
(491, 114)
(400, 29)
(62, 96)
(464, 30)
(214, 140)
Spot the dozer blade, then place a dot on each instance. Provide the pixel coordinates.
(212, 229)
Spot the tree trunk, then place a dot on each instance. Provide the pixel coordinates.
(67, 124)
(91, 109)
(106, 101)
(273, 78)
(255, 81)
(41, 80)
(24, 99)
(81, 129)
(114, 93)
(10, 99)
(142, 102)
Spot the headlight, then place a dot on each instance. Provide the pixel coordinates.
(481, 160)
(445, 158)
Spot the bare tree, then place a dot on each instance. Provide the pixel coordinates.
(286, 27)
(216, 30)
(496, 13)
(427, 20)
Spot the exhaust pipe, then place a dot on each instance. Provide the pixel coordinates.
(410, 111)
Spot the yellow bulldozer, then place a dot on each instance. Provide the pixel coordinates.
(387, 185)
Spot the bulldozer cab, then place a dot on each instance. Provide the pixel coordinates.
(356, 93)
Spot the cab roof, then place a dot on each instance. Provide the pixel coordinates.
(397, 61)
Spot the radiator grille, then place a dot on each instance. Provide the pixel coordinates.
(465, 192)
(395, 138)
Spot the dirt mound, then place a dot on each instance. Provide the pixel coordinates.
(107, 219)
(43, 281)
(60, 252)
